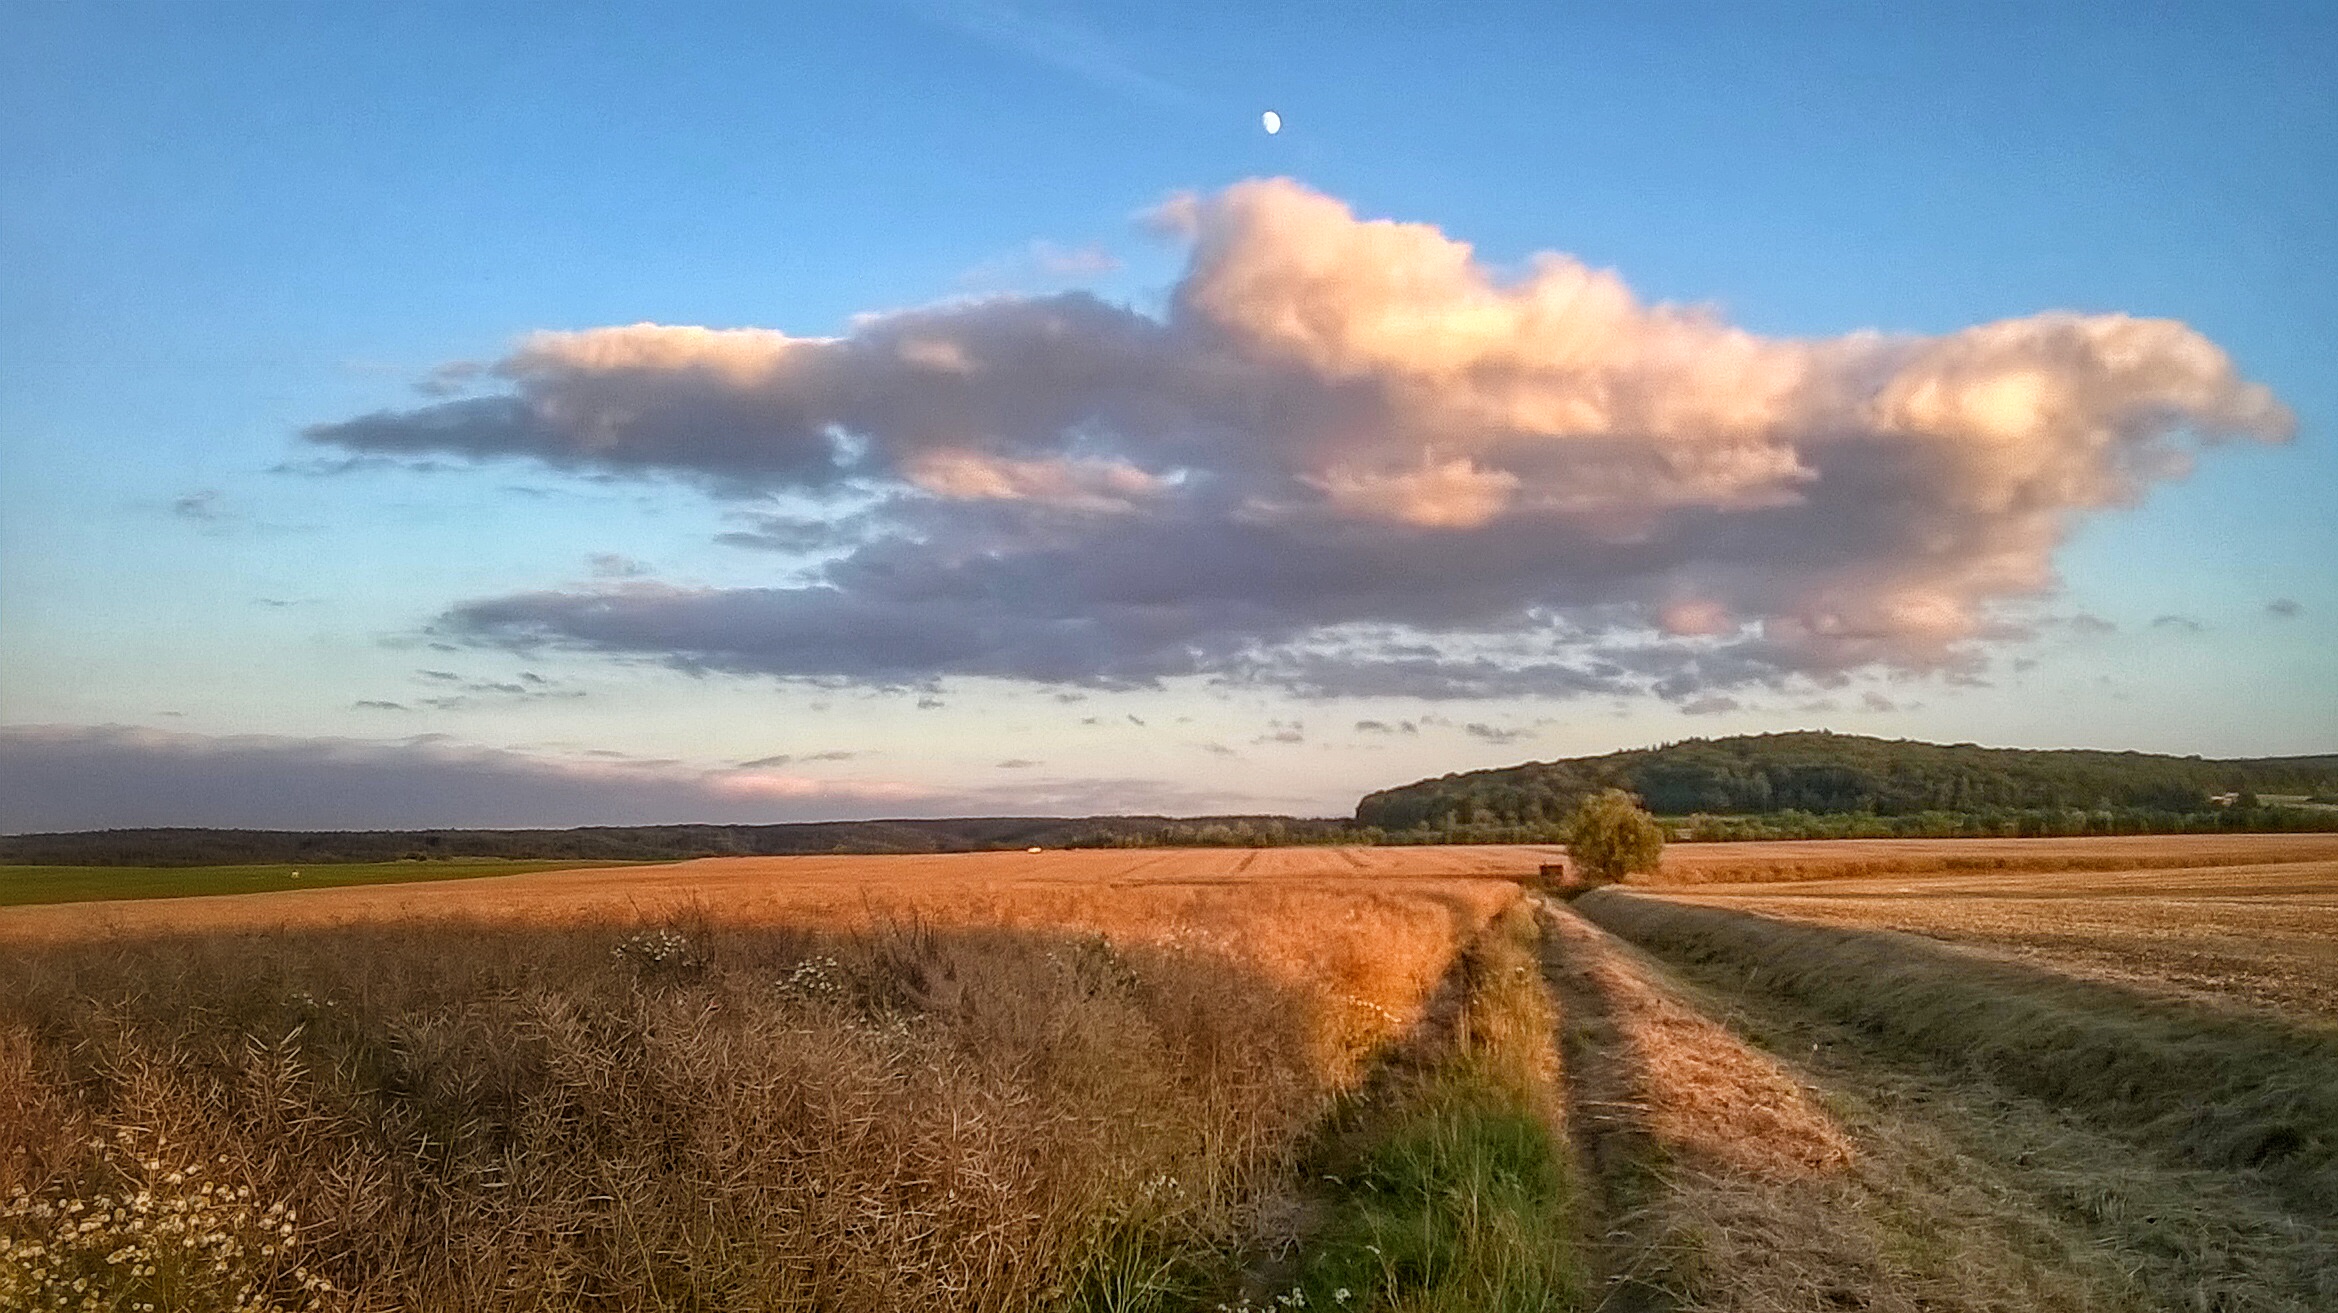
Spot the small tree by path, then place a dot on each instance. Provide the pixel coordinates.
(1610, 836)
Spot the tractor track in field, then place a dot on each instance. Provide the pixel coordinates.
(1701, 1108)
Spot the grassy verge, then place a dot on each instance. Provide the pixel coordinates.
(2212, 1088)
(20, 885)
(1446, 1184)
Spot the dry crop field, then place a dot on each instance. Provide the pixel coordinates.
(1938, 1075)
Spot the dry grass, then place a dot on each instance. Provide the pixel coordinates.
(1853, 859)
(831, 891)
(989, 1097)
(2218, 1089)
(2275, 953)
(1725, 1185)
(1696, 1090)
(1956, 1196)
(1990, 1200)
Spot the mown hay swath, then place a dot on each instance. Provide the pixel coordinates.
(2213, 1087)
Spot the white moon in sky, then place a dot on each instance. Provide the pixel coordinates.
(1273, 122)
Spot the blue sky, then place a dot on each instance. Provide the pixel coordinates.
(225, 227)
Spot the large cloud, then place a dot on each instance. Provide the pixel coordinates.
(68, 777)
(1352, 458)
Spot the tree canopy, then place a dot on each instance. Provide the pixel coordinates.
(1820, 773)
(1610, 837)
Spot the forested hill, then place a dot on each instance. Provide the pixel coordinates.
(1821, 773)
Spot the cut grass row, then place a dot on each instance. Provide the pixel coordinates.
(2214, 1088)
(2003, 1201)
(24, 885)
(1702, 1103)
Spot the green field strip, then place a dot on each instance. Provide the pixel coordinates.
(25, 885)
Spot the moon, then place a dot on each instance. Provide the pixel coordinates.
(1272, 121)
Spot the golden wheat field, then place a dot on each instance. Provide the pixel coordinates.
(1936, 1075)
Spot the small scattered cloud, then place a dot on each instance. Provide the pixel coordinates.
(2183, 623)
(790, 758)
(379, 704)
(799, 535)
(1874, 701)
(2087, 624)
(1217, 749)
(1709, 705)
(1497, 734)
(930, 703)
(1041, 263)
(2284, 608)
(463, 692)
(1283, 731)
(1019, 763)
(612, 565)
(453, 378)
(1087, 261)
(208, 505)
(333, 467)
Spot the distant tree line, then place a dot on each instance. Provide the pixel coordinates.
(1768, 786)
(205, 847)
(1814, 785)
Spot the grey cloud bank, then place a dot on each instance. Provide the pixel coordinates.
(56, 777)
(1349, 460)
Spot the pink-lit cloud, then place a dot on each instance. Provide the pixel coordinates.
(1352, 457)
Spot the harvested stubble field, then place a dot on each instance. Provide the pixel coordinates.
(2099, 1075)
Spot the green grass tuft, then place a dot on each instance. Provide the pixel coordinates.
(1450, 1188)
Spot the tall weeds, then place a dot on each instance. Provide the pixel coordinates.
(704, 1116)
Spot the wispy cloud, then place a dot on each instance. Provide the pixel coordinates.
(612, 565)
(1497, 734)
(1066, 44)
(208, 505)
(791, 758)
